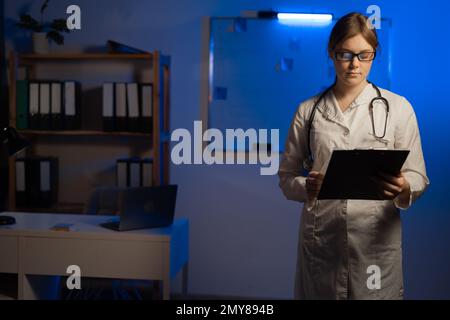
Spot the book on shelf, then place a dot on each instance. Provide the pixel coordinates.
(44, 106)
(133, 107)
(57, 104)
(121, 107)
(134, 172)
(48, 105)
(36, 182)
(22, 96)
(146, 90)
(72, 105)
(33, 109)
(127, 107)
(109, 109)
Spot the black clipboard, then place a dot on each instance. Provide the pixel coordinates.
(350, 172)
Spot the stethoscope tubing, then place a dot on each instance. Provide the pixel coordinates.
(371, 105)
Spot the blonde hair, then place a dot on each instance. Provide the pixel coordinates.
(349, 26)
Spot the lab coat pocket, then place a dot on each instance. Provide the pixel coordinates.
(387, 228)
(390, 264)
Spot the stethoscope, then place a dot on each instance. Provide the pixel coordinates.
(309, 160)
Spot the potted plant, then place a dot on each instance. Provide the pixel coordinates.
(44, 32)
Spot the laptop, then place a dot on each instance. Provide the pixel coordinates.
(144, 208)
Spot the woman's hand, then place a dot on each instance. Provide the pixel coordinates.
(313, 184)
(394, 186)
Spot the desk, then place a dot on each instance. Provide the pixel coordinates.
(35, 253)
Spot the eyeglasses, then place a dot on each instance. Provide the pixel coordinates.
(348, 56)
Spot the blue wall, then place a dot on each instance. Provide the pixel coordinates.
(244, 232)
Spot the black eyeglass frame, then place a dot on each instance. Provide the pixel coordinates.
(355, 55)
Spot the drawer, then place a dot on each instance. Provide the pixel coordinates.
(9, 254)
(96, 258)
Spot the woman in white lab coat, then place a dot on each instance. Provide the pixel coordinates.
(351, 249)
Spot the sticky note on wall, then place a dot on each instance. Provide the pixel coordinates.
(220, 93)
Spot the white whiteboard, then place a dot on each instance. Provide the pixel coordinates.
(260, 71)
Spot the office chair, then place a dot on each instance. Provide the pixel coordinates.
(104, 201)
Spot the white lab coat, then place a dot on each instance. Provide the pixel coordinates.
(340, 239)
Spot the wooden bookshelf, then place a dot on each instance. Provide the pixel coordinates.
(82, 133)
(158, 143)
(83, 56)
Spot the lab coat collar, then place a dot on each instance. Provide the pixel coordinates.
(330, 107)
(365, 96)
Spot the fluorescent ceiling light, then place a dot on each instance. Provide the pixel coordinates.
(307, 17)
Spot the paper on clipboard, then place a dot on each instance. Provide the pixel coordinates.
(350, 173)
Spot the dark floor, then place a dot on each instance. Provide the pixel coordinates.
(92, 289)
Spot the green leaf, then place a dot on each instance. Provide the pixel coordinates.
(56, 37)
(28, 22)
(26, 18)
(60, 25)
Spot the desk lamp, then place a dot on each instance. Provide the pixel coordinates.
(13, 143)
